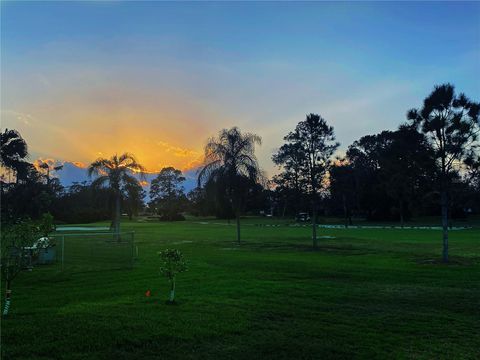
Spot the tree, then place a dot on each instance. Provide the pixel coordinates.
(390, 171)
(167, 193)
(291, 181)
(472, 163)
(47, 166)
(133, 196)
(218, 198)
(116, 172)
(28, 197)
(46, 224)
(198, 204)
(83, 203)
(342, 185)
(231, 157)
(15, 254)
(314, 143)
(13, 150)
(471, 179)
(405, 164)
(23, 171)
(366, 158)
(173, 263)
(450, 123)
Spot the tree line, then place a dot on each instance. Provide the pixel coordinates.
(429, 165)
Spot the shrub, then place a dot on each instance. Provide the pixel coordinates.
(172, 217)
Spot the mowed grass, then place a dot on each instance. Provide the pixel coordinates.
(367, 293)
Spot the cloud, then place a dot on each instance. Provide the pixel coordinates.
(79, 164)
(52, 163)
(178, 151)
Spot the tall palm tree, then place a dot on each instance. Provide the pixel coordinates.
(231, 158)
(116, 173)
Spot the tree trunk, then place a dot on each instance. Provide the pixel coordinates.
(172, 291)
(8, 294)
(345, 211)
(314, 226)
(444, 203)
(238, 226)
(402, 222)
(117, 216)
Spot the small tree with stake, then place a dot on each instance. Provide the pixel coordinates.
(15, 257)
(173, 263)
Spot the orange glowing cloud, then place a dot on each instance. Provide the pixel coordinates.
(178, 151)
(50, 162)
(82, 144)
(79, 164)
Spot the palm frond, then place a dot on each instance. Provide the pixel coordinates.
(207, 172)
(129, 162)
(136, 167)
(100, 181)
(129, 180)
(101, 164)
(13, 148)
(232, 155)
(125, 156)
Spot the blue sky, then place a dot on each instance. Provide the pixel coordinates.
(80, 78)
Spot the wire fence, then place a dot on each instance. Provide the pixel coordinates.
(94, 251)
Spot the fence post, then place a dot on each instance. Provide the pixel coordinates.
(63, 252)
(133, 248)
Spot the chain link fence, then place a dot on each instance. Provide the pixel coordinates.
(94, 251)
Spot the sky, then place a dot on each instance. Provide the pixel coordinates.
(90, 79)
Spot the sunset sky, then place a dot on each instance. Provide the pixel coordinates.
(82, 80)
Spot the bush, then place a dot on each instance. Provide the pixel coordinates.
(46, 225)
(172, 217)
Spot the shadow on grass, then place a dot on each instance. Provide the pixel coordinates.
(453, 261)
(337, 249)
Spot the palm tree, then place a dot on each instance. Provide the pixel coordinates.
(231, 158)
(116, 172)
(13, 149)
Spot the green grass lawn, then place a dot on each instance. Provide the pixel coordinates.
(367, 293)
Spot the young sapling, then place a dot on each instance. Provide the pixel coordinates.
(173, 263)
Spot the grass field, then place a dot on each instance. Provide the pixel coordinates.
(366, 293)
